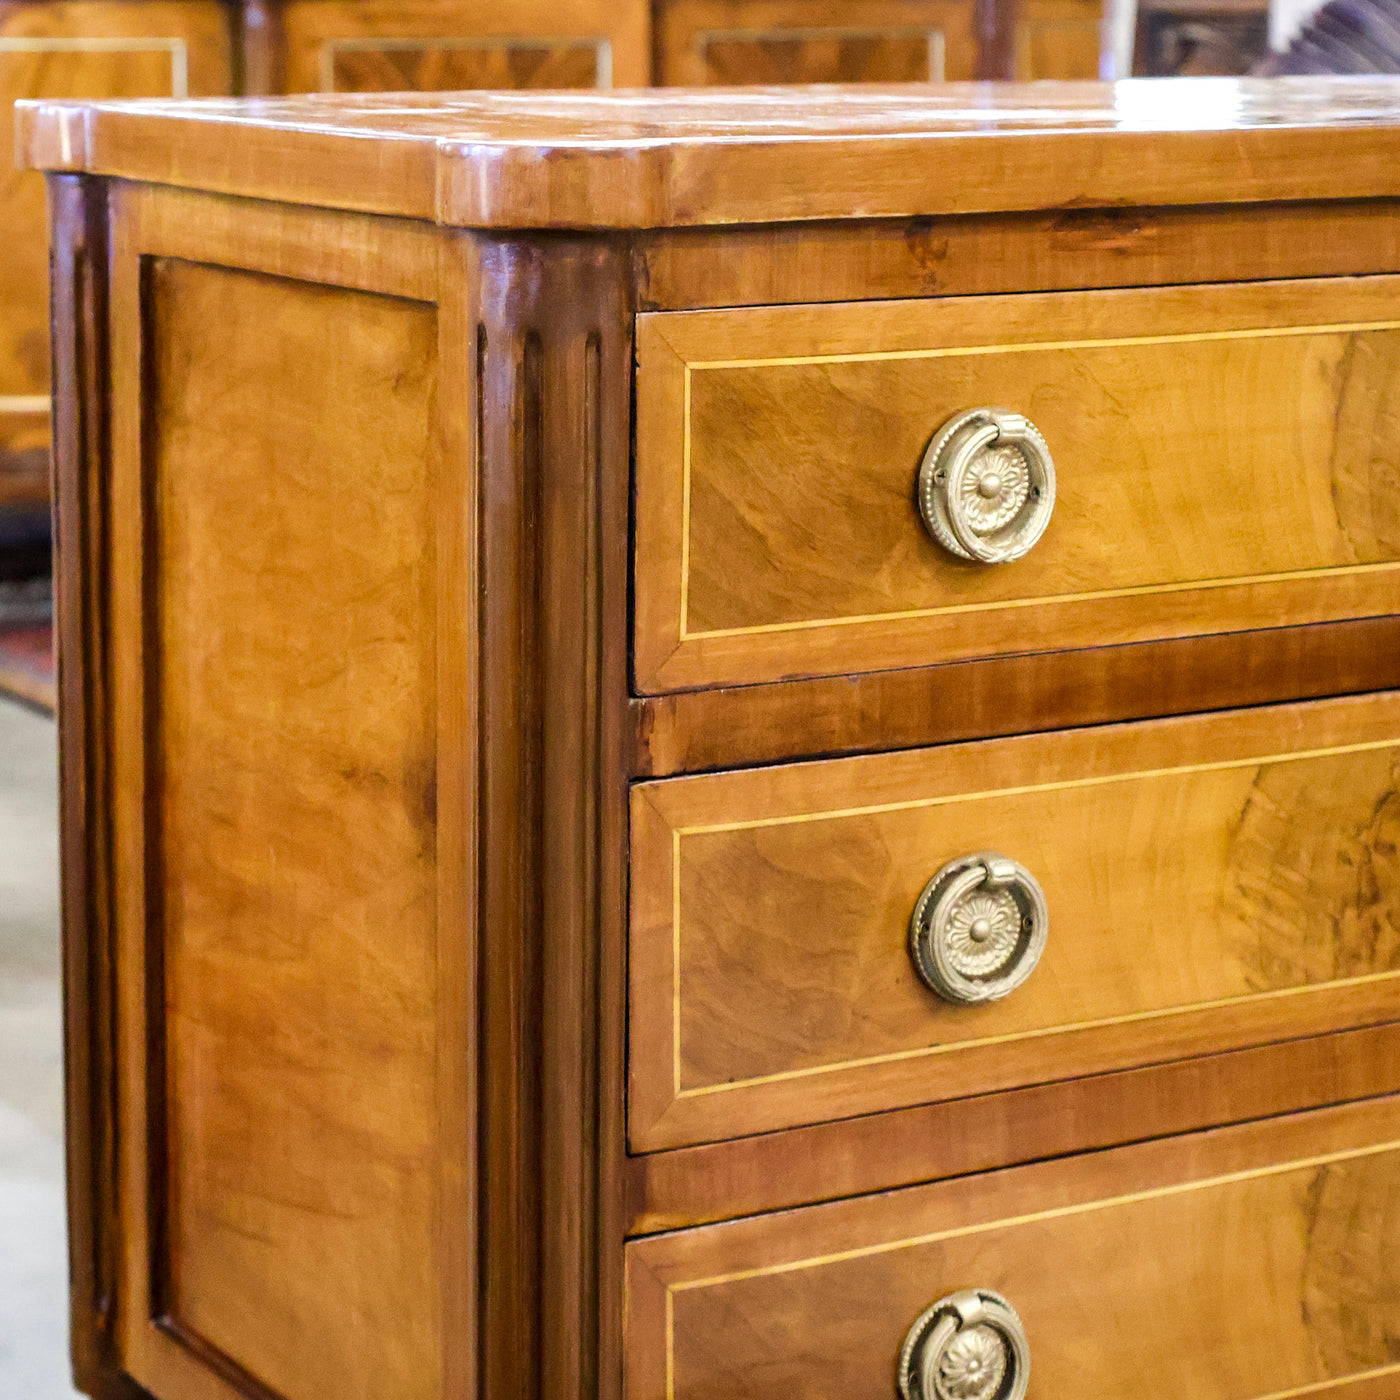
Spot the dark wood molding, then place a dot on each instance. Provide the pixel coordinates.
(79, 264)
(742, 726)
(553, 334)
(853, 1157)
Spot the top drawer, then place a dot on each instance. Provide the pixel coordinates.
(1224, 458)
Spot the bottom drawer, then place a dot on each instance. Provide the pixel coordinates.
(1249, 1263)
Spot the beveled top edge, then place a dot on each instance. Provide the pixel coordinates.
(659, 157)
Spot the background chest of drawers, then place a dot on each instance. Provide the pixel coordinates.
(201, 48)
(709, 752)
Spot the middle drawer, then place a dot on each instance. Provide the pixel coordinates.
(1187, 886)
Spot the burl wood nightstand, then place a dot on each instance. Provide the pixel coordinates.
(733, 745)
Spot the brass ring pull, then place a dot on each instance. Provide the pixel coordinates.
(979, 928)
(987, 485)
(968, 1346)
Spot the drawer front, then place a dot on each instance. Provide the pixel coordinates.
(1224, 458)
(1252, 1263)
(1209, 882)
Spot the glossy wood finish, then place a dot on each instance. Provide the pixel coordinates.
(708, 43)
(259, 737)
(1211, 882)
(548, 322)
(1167, 412)
(75, 49)
(591, 161)
(80, 361)
(1249, 1263)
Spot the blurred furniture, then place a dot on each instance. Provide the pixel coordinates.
(732, 747)
(154, 48)
(1344, 36)
(1192, 38)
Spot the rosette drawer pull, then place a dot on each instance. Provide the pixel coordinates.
(969, 1346)
(979, 928)
(987, 485)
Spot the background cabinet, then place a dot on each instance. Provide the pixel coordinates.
(148, 48)
(78, 49)
(159, 48)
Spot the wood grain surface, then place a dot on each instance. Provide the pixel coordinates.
(1251, 1263)
(778, 451)
(287, 1113)
(290, 806)
(1212, 882)
(739, 726)
(680, 159)
(847, 260)
(296, 761)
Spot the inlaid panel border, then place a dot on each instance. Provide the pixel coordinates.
(1297, 1165)
(933, 35)
(387, 258)
(673, 652)
(692, 368)
(960, 799)
(666, 1112)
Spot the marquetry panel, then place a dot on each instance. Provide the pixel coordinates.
(76, 48)
(390, 46)
(1211, 882)
(778, 451)
(1253, 1263)
(704, 43)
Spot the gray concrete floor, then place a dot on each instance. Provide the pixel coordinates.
(33, 1262)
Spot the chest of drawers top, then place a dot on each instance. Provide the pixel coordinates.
(640, 160)
(667, 695)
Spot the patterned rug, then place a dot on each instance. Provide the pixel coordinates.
(27, 663)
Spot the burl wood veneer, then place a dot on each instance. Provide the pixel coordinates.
(518, 724)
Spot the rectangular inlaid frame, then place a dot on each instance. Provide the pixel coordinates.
(669, 1108)
(398, 260)
(821, 638)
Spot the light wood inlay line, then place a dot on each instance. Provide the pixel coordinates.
(941, 352)
(929, 1051)
(176, 48)
(1040, 1033)
(1030, 1218)
(1142, 591)
(1063, 785)
(966, 351)
(676, 964)
(24, 403)
(1181, 1188)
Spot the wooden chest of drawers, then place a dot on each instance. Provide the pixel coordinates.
(741, 746)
